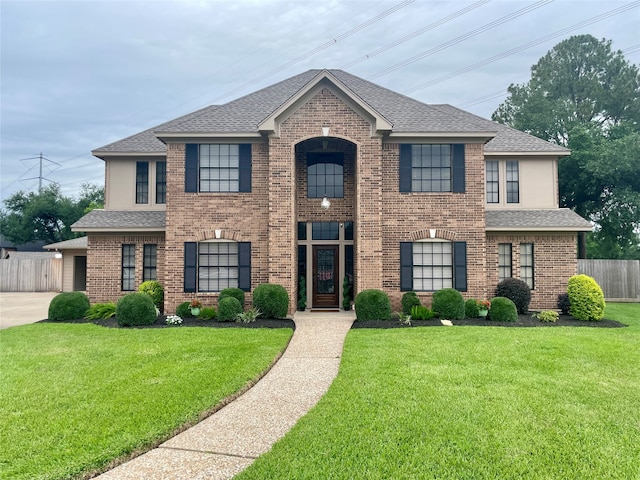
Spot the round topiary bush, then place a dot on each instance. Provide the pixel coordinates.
(373, 304)
(517, 291)
(586, 298)
(184, 310)
(409, 300)
(272, 300)
(232, 292)
(135, 309)
(228, 309)
(471, 309)
(68, 306)
(503, 310)
(448, 304)
(154, 290)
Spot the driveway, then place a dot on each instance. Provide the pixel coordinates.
(20, 308)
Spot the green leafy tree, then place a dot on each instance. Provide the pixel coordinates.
(584, 96)
(46, 215)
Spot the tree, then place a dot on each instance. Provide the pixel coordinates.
(46, 215)
(584, 96)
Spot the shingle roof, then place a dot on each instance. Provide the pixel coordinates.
(74, 243)
(121, 220)
(556, 219)
(407, 115)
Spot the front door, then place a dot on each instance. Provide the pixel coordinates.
(325, 276)
(79, 273)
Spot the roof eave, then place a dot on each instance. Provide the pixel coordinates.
(118, 229)
(539, 229)
(101, 154)
(528, 153)
(478, 137)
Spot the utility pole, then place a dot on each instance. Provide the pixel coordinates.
(40, 177)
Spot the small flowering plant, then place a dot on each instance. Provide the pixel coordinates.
(195, 303)
(174, 320)
(483, 304)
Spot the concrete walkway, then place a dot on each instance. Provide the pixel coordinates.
(230, 440)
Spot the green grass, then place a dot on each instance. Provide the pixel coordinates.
(474, 403)
(74, 397)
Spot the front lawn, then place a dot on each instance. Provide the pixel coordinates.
(75, 396)
(474, 403)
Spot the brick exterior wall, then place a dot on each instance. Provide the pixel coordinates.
(104, 264)
(554, 261)
(383, 217)
(455, 216)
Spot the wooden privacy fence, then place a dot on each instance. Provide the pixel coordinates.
(619, 279)
(31, 275)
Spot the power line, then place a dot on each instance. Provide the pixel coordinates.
(412, 35)
(39, 177)
(462, 38)
(318, 49)
(530, 44)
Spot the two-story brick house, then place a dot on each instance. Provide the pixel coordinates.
(420, 197)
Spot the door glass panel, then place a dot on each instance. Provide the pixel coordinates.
(326, 269)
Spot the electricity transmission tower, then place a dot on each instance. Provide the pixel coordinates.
(40, 177)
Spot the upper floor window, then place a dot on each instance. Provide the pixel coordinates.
(325, 175)
(432, 168)
(493, 181)
(513, 182)
(218, 168)
(142, 182)
(161, 182)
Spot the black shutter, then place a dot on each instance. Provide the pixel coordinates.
(406, 266)
(245, 168)
(460, 266)
(190, 266)
(244, 266)
(405, 168)
(458, 168)
(191, 168)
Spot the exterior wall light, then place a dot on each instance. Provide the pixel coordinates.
(325, 204)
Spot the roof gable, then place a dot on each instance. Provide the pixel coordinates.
(325, 79)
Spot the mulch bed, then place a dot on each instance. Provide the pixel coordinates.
(523, 321)
(191, 322)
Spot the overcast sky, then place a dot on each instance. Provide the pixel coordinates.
(77, 75)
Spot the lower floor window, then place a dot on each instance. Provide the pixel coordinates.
(432, 266)
(504, 261)
(128, 267)
(217, 266)
(150, 261)
(526, 264)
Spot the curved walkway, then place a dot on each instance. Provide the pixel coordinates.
(230, 440)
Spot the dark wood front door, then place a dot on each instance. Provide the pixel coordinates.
(325, 276)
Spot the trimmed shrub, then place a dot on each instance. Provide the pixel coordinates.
(207, 313)
(183, 310)
(228, 309)
(272, 300)
(517, 291)
(563, 303)
(68, 306)
(409, 300)
(373, 304)
(503, 310)
(101, 311)
(471, 309)
(449, 304)
(420, 312)
(586, 298)
(232, 292)
(155, 291)
(136, 309)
